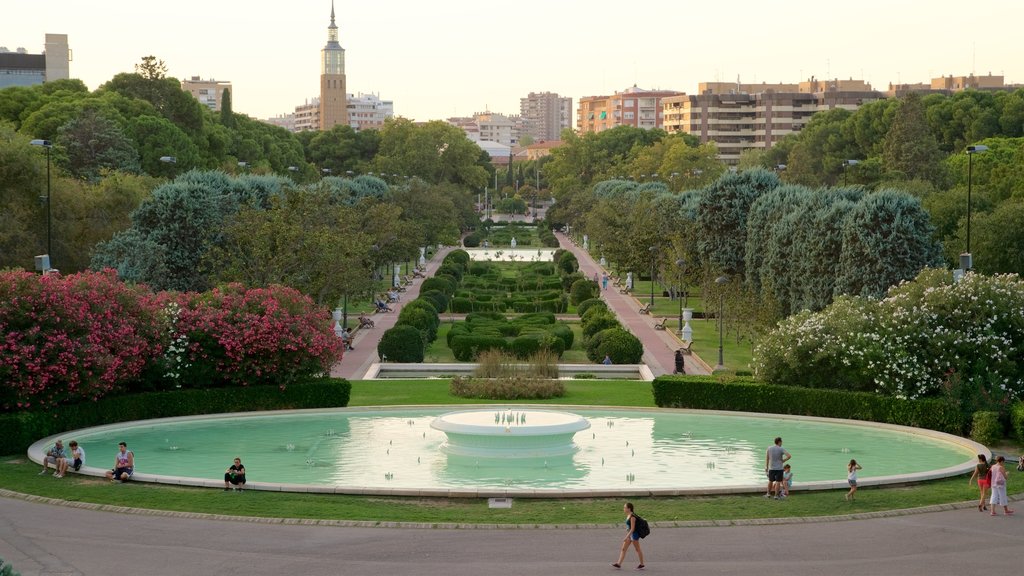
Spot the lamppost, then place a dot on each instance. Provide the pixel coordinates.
(681, 264)
(325, 171)
(169, 159)
(652, 250)
(966, 260)
(846, 164)
(46, 144)
(720, 281)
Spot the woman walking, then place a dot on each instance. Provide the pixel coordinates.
(999, 487)
(851, 478)
(981, 472)
(632, 536)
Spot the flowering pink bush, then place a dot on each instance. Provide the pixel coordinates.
(237, 336)
(72, 338)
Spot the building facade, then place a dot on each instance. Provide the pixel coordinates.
(490, 127)
(19, 68)
(739, 117)
(545, 115)
(333, 95)
(634, 106)
(208, 92)
(368, 111)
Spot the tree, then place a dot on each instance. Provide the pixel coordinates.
(227, 116)
(722, 218)
(436, 151)
(157, 137)
(92, 144)
(910, 149)
(151, 68)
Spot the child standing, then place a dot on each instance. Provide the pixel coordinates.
(851, 478)
(787, 480)
(999, 487)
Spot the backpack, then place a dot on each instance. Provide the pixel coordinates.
(643, 529)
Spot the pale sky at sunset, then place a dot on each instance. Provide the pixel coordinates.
(455, 57)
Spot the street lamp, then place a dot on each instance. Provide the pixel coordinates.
(721, 280)
(966, 260)
(168, 159)
(652, 250)
(326, 171)
(681, 264)
(847, 163)
(47, 145)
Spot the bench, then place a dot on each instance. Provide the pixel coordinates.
(661, 325)
(645, 309)
(418, 274)
(624, 290)
(685, 349)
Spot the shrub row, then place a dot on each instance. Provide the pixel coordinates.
(713, 393)
(547, 237)
(19, 431)
(530, 333)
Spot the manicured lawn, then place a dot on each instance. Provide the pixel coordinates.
(588, 392)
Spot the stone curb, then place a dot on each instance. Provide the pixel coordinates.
(460, 526)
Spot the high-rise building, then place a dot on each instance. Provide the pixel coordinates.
(333, 97)
(19, 68)
(545, 115)
(739, 117)
(490, 127)
(208, 92)
(632, 107)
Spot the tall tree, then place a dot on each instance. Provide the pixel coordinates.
(151, 68)
(910, 151)
(92, 143)
(227, 116)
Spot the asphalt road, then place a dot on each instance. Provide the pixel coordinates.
(43, 539)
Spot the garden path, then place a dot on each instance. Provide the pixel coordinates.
(356, 362)
(659, 345)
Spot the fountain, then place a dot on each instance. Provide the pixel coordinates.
(519, 433)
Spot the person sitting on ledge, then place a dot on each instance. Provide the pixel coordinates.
(365, 322)
(381, 305)
(124, 464)
(234, 477)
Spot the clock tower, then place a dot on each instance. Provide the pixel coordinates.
(333, 96)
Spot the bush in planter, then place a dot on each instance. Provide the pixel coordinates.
(583, 290)
(403, 343)
(621, 346)
(586, 305)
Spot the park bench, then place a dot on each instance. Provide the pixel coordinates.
(661, 325)
(417, 273)
(645, 309)
(685, 349)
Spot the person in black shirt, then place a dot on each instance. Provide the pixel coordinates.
(235, 475)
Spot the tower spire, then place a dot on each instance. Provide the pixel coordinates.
(332, 14)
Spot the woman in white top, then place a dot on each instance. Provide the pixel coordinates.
(851, 478)
(998, 497)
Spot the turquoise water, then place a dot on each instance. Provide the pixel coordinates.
(622, 450)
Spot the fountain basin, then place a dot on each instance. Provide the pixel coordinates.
(501, 434)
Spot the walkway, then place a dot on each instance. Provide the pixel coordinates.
(41, 539)
(356, 362)
(659, 345)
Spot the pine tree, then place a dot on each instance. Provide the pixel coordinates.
(910, 149)
(227, 117)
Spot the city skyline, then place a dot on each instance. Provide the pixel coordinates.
(449, 59)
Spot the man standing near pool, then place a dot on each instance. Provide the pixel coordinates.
(774, 460)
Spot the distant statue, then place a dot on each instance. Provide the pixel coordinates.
(586, 242)
(513, 242)
(629, 280)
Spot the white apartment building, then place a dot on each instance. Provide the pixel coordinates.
(490, 127)
(368, 111)
(545, 115)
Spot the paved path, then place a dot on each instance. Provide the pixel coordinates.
(42, 539)
(659, 345)
(356, 362)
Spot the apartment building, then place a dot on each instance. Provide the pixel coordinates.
(368, 111)
(632, 107)
(207, 92)
(19, 68)
(545, 115)
(490, 127)
(739, 117)
(307, 115)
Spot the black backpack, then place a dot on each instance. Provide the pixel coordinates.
(643, 529)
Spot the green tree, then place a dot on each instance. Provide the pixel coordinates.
(92, 144)
(910, 149)
(157, 137)
(227, 116)
(722, 218)
(151, 68)
(437, 152)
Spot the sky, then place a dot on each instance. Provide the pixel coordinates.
(456, 57)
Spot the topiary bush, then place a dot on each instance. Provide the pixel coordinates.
(586, 305)
(439, 300)
(439, 284)
(466, 347)
(402, 343)
(598, 321)
(568, 280)
(567, 263)
(583, 290)
(421, 315)
(471, 240)
(621, 346)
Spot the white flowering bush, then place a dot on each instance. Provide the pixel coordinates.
(928, 337)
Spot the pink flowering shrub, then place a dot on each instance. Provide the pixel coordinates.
(72, 338)
(237, 336)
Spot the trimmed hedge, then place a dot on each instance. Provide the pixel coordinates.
(1017, 420)
(985, 428)
(713, 393)
(582, 307)
(19, 431)
(582, 290)
(619, 345)
(402, 343)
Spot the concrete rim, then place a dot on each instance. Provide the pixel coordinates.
(36, 453)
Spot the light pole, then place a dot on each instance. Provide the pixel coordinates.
(652, 250)
(681, 264)
(720, 281)
(846, 164)
(968, 262)
(46, 144)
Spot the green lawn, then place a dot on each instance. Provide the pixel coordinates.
(19, 475)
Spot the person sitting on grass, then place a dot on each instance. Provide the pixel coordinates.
(234, 477)
(124, 464)
(787, 480)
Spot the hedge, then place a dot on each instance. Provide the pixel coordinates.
(1017, 420)
(712, 393)
(620, 346)
(401, 343)
(582, 307)
(19, 431)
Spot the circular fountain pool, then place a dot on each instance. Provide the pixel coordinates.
(595, 451)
